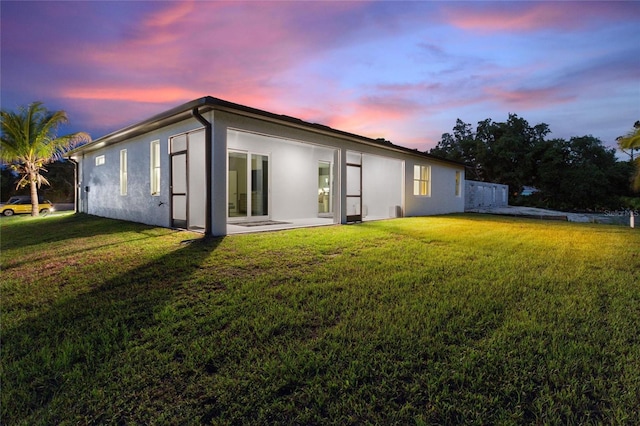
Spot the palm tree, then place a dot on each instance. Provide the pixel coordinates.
(631, 141)
(28, 142)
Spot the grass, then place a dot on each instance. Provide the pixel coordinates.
(461, 319)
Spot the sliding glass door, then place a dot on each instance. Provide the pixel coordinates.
(248, 185)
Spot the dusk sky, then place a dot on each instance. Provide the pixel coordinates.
(404, 71)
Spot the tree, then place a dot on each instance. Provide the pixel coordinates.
(460, 146)
(496, 152)
(507, 154)
(631, 142)
(28, 142)
(580, 173)
(7, 182)
(60, 175)
(590, 169)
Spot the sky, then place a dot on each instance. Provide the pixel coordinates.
(403, 71)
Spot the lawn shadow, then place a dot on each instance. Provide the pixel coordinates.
(56, 228)
(78, 336)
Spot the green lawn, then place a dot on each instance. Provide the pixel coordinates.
(461, 319)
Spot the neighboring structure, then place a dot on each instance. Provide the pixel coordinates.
(528, 191)
(218, 167)
(485, 194)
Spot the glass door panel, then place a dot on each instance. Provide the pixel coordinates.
(354, 193)
(248, 185)
(353, 181)
(237, 181)
(197, 185)
(259, 185)
(179, 190)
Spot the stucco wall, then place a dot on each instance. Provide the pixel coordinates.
(443, 197)
(382, 179)
(99, 186)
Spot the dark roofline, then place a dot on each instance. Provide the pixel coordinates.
(208, 103)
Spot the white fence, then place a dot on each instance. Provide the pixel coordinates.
(485, 194)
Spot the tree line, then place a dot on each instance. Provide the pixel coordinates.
(575, 174)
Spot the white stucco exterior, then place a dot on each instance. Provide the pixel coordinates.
(99, 186)
(279, 183)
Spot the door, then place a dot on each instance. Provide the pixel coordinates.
(354, 186)
(248, 186)
(179, 190)
(188, 181)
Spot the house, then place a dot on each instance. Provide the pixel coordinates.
(218, 167)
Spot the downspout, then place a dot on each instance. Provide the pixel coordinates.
(208, 136)
(76, 185)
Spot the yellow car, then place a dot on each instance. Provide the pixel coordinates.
(18, 205)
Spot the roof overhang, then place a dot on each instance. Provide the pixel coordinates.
(208, 103)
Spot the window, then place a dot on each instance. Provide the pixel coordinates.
(458, 183)
(324, 187)
(123, 172)
(154, 168)
(422, 180)
(99, 160)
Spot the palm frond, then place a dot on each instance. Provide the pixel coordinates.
(631, 140)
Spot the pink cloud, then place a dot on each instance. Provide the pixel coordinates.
(155, 94)
(190, 49)
(525, 16)
(370, 115)
(170, 15)
(240, 37)
(528, 98)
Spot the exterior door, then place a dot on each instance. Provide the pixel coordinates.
(354, 186)
(188, 181)
(248, 186)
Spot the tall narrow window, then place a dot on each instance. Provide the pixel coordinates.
(458, 183)
(324, 187)
(422, 180)
(154, 166)
(123, 172)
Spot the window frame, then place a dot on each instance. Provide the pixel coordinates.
(123, 172)
(458, 190)
(155, 169)
(100, 160)
(421, 180)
